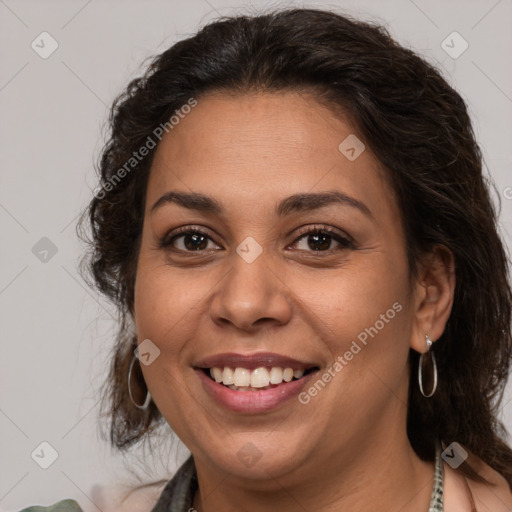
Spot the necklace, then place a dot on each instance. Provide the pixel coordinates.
(437, 496)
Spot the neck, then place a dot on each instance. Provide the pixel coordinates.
(384, 476)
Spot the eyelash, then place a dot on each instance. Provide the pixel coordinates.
(345, 241)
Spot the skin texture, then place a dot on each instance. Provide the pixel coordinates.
(487, 498)
(347, 449)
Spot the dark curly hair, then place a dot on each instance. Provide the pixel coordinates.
(419, 129)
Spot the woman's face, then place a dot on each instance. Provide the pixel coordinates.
(300, 265)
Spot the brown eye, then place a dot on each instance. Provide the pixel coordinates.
(191, 240)
(194, 242)
(321, 240)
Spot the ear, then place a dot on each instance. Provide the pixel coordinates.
(433, 296)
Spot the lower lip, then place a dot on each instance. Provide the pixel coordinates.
(253, 402)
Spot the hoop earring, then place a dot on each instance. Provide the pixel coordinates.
(145, 405)
(420, 369)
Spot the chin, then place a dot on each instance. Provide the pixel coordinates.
(256, 455)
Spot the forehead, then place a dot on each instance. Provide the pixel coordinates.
(262, 146)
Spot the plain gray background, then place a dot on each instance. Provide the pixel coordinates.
(56, 333)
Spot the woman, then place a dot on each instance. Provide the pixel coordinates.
(293, 222)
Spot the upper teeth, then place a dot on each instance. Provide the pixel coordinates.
(257, 378)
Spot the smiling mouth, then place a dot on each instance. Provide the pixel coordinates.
(258, 379)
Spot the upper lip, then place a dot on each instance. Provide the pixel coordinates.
(252, 361)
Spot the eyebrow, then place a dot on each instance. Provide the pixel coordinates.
(296, 203)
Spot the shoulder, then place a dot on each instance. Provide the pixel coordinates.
(493, 497)
(125, 499)
(61, 506)
(114, 499)
(161, 495)
(497, 496)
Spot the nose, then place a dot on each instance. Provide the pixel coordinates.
(250, 297)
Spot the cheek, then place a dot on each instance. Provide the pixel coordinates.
(363, 318)
(354, 297)
(165, 308)
(165, 305)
